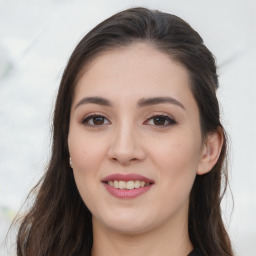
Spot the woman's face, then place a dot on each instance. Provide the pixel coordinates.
(135, 139)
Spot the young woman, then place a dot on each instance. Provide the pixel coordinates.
(138, 147)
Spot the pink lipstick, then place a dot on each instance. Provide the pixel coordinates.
(127, 185)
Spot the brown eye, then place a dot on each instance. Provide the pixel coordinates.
(98, 120)
(95, 120)
(160, 120)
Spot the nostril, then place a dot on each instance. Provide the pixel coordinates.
(125, 154)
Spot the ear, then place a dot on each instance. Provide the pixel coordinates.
(210, 152)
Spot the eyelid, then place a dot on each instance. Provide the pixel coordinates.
(169, 118)
(86, 118)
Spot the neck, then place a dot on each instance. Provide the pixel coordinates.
(169, 239)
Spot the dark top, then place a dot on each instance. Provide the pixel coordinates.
(196, 252)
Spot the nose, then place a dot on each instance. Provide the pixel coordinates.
(126, 146)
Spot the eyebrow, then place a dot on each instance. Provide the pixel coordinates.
(141, 103)
(158, 100)
(94, 100)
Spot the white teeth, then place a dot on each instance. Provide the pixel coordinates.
(127, 185)
(116, 184)
(137, 184)
(130, 184)
(121, 184)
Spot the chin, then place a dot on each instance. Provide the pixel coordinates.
(126, 223)
(129, 229)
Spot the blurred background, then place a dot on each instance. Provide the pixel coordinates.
(36, 39)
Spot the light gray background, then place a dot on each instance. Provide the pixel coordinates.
(37, 37)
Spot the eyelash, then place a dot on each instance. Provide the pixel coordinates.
(170, 120)
(90, 117)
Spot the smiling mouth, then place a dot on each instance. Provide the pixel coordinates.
(128, 185)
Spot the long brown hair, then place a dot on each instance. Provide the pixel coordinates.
(59, 223)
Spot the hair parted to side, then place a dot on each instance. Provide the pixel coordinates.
(59, 222)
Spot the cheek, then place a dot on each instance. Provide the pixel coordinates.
(177, 159)
(177, 153)
(86, 152)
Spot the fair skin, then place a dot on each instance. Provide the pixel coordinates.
(159, 139)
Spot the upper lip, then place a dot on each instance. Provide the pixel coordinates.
(127, 177)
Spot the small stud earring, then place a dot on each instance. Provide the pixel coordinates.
(70, 162)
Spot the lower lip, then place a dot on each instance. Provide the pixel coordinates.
(127, 193)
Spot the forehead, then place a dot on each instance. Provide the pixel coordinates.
(138, 70)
